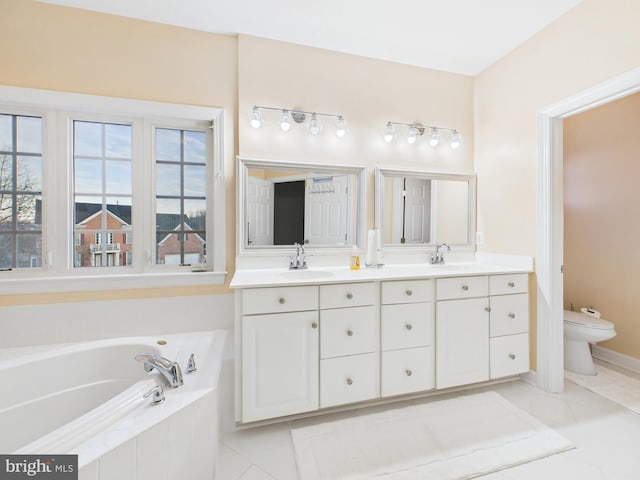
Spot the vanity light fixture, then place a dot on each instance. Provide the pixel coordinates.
(298, 116)
(416, 130)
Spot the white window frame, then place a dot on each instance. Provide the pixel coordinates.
(58, 273)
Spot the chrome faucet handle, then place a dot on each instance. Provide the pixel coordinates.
(158, 395)
(191, 365)
(440, 245)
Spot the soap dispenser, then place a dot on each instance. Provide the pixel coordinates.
(354, 263)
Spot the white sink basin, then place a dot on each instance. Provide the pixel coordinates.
(306, 274)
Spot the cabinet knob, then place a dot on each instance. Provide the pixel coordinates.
(349, 381)
(281, 300)
(408, 326)
(465, 287)
(350, 332)
(511, 284)
(512, 315)
(512, 356)
(314, 325)
(408, 372)
(487, 309)
(349, 296)
(409, 293)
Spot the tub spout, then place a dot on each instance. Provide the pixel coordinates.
(169, 369)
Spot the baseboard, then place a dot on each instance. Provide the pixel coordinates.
(530, 377)
(615, 358)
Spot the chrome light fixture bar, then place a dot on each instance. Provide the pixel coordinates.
(415, 130)
(288, 115)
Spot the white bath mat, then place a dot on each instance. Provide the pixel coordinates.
(460, 438)
(615, 386)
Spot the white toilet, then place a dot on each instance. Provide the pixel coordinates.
(581, 329)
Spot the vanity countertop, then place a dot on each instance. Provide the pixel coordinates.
(272, 277)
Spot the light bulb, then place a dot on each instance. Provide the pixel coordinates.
(412, 136)
(314, 125)
(456, 140)
(256, 119)
(434, 140)
(388, 133)
(285, 121)
(341, 128)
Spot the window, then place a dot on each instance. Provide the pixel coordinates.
(144, 191)
(20, 191)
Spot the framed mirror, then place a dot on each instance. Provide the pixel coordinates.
(424, 208)
(320, 206)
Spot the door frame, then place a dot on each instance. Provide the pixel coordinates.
(549, 255)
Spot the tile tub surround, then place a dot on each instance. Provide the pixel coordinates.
(605, 436)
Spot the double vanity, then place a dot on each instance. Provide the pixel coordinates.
(327, 337)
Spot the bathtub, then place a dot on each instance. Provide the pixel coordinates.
(87, 399)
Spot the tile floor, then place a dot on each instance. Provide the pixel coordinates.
(606, 436)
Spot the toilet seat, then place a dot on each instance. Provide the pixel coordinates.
(586, 321)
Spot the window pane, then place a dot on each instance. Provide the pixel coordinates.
(29, 134)
(6, 133)
(6, 211)
(195, 147)
(118, 140)
(29, 212)
(119, 177)
(29, 174)
(6, 173)
(29, 251)
(168, 179)
(85, 207)
(195, 212)
(168, 145)
(88, 139)
(195, 181)
(6, 250)
(88, 176)
(121, 208)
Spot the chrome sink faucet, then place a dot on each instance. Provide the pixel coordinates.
(298, 262)
(167, 368)
(437, 258)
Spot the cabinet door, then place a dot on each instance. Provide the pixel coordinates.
(462, 342)
(279, 364)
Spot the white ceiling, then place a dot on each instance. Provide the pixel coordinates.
(461, 36)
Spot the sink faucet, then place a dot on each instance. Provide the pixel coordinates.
(298, 262)
(437, 258)
(167, 368)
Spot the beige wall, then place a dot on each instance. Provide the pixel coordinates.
(602, 217)
(595, 41)
(57, 48)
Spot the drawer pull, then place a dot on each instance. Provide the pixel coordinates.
(409, 293)
(314, 325)
(487, 309)
(511, 284)
(408, 326)
(512, 356)
(465, 287)
(408, 372)
(281, 300)
(349, 381)
(350, 333)
(512, 315)
(349, 296)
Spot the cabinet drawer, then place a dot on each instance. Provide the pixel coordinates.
(505, 284)
(407, 325)
(348, 331)
(407, 291)
(509, 314)
(462, 287)
(347, 295)
(348, 379)
(406, 371)
(279, 299)
(509, 355)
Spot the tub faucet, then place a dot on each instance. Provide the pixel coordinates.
(168, 369)
(298, 262)
(437, 258)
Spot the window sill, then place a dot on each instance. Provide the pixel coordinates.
(59, 284)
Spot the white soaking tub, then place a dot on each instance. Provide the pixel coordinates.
(87, 399)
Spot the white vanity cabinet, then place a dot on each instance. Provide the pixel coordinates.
(509, 325)
(349, 339)
(407, 336)
(280, 335)
(462, 330)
